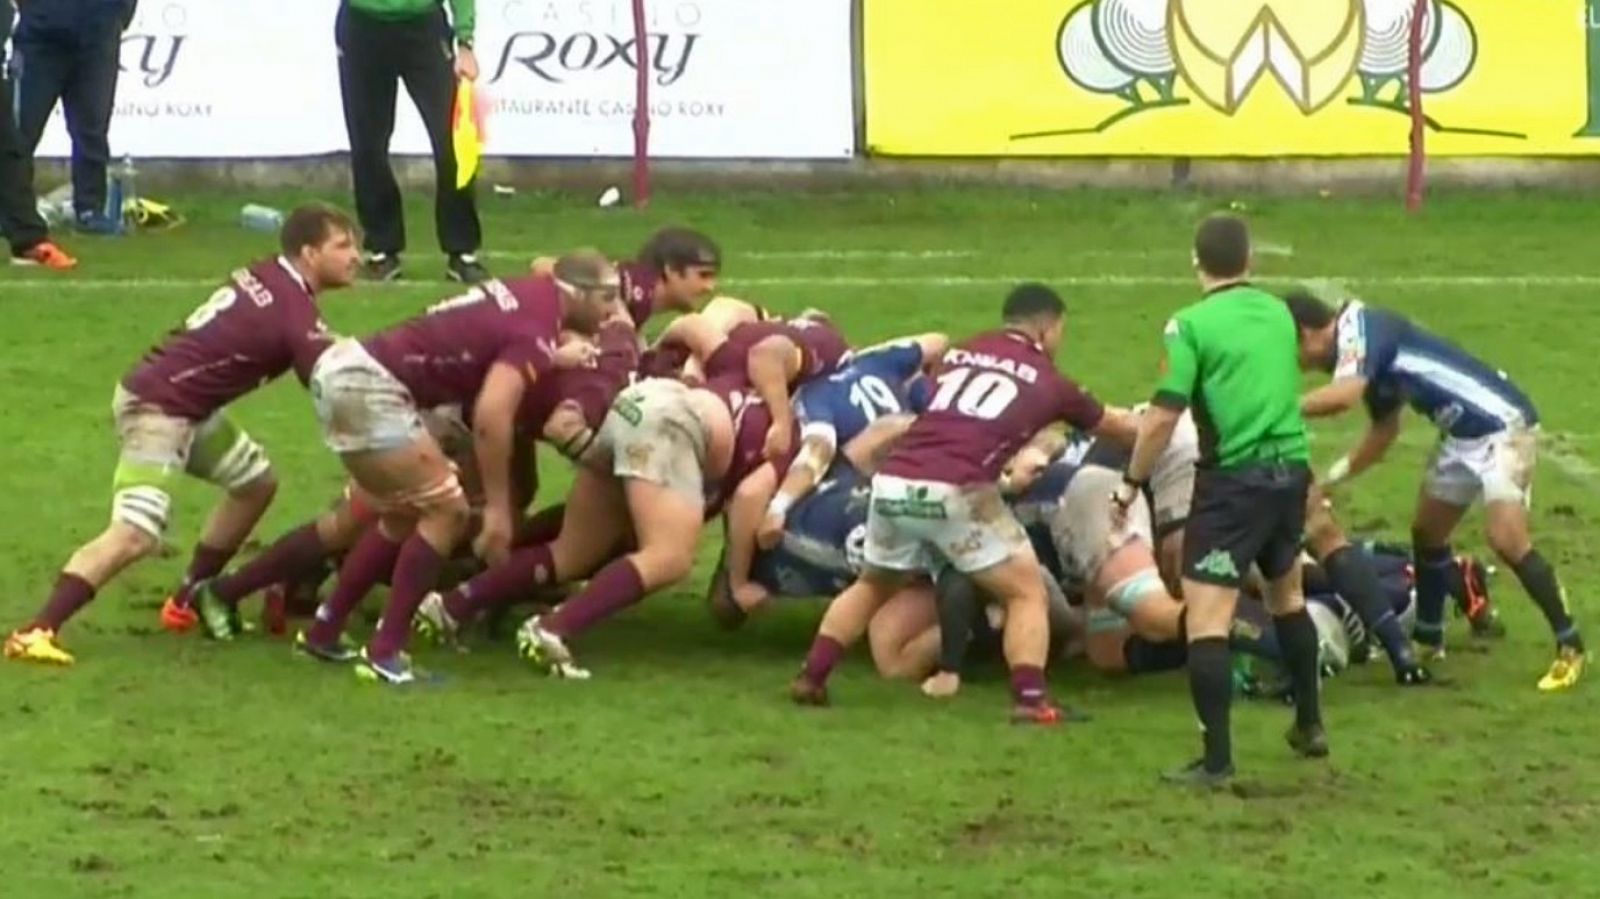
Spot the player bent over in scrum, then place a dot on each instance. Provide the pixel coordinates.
(485, 348)
(936, 502)
(170, 418)
(1488, 442)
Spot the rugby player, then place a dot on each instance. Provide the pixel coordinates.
(1232, 356)
(666, 458)
(482, 350)
(877, 382)
(568, 415)
(1488, 443)
(673, 272)
(170, 418)
(936, 500)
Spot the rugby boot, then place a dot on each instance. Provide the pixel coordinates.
(1565, 670)
(37, 645)
(346, 650)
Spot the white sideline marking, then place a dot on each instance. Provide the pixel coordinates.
(1561, 452)
(784, 254)
(66, 283)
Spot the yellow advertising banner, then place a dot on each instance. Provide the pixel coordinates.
(1229, 77)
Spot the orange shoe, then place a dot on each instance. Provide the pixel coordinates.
(178, 617)
(45, 254)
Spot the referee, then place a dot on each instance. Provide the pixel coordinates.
(382, 43)
(1233, 356)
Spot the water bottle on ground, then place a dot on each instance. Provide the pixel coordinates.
(260, 218)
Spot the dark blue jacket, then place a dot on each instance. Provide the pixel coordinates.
(54, 19)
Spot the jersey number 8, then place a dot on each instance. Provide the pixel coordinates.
(984, 394)
(214, 305)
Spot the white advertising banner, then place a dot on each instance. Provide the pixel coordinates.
(728, 79)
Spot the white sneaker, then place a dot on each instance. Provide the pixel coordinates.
(433, 621)
(548, 651)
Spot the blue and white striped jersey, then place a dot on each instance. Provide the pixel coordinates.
(1406, 365)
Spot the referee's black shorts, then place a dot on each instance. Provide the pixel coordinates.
(1243, 516)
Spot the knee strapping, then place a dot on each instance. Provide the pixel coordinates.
(145, 508)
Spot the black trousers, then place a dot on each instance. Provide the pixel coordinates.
(375, 56)
(78, 69)
(19, 208)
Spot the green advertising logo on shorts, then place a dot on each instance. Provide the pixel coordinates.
(1217, 564)
(916, 504)
(629, 410)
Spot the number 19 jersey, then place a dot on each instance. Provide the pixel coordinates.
(993, 393)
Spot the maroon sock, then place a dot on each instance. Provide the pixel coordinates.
(71, 593)
(544, 526)
(415, 573)
(525, 568)
(1028, 686)
(373, 556)
(613, 589)
(207, 562)
(820, 661)
(295, 555)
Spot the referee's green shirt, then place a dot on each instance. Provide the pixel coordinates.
(1234, 358)
(463, 13)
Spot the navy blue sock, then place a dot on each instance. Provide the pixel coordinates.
(1539, 579)
(1353, 577)
(1434, 566)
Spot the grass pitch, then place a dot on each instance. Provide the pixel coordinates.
(162, 766)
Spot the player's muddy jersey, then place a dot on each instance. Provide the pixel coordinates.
(871, 384)
(444, 355)
(994, 392)
(822, 347)
(261, 323)
(1406, 365)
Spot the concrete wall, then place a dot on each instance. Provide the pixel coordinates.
(1344, 176)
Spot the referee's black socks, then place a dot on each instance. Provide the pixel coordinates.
(1299, 638)
(1539, 579)
(1211, 688)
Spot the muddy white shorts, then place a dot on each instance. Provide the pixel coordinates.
(925, 525)
(362, 406)
(1498, 467)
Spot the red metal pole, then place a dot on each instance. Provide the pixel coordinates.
(1414, 173)
(641, 109)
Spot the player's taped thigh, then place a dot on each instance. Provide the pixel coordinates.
(224, 455)
(140, 498)
(445, 493)
(1133, 591)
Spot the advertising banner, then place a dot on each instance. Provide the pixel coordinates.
(728, 79)
(1228, 77)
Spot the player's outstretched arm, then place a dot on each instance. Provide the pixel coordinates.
(746, 508)
(774, 364)
(1332, 399)
(816, 454)
(493, 415)
(1119, 425)
(1374, 444)
(867, 450)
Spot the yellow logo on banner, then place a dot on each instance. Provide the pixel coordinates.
(1225, 77)
(1222, 48)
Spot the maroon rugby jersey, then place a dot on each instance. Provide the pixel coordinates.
(591, 388)
(993, 393)
(444, 355)
(751, 420)
(260, 324)
(822, 347)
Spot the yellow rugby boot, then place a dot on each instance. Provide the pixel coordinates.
(37, 645)
(1565, 670)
